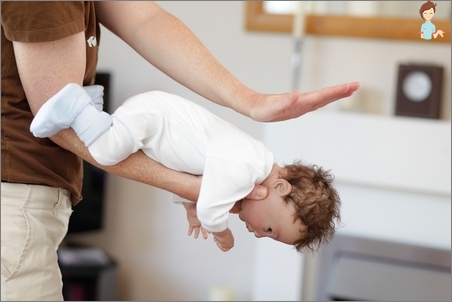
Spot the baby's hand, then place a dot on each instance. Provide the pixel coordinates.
(224, 240)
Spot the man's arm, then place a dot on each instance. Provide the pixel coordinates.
(168, 44)
(45, 68)
(194, 225)
(138, 167)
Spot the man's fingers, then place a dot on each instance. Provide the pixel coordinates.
(259, 192)
(196, 232)
(204, 233)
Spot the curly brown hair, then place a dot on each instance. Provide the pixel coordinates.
(316, 202)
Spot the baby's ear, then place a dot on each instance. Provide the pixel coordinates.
(282, 186)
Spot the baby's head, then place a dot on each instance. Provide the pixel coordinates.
(316, 202)
(302, 207)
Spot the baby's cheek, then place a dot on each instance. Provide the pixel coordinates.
(253, 222)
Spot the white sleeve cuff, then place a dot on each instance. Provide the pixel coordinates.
(179, 200)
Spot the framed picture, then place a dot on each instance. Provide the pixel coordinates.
(419, 90)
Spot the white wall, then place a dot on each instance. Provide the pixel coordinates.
(393, 173)
(146, 233)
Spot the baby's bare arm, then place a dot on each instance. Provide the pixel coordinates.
(224, 239)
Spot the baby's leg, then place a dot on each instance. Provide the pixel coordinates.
(72, 107)
(135, 124)
(60, 111)
(114, 145)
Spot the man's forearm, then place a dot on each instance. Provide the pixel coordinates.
(138, 167)
(171, 46)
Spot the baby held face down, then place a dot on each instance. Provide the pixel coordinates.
(301, 209)
(272, 217)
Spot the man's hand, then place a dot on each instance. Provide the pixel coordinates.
(236, 208)
(259, 192)
(224, 240)
(194, 225)
(274, 108)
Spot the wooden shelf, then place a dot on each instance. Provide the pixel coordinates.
(391, 28)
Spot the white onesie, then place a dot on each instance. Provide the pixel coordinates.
(186, 137)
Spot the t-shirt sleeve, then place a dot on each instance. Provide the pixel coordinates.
(38, 21)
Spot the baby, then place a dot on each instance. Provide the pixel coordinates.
(301, 207)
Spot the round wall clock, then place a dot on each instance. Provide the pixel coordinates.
(417, 86)
(419, 91)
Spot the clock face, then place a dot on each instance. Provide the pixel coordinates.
(417, 86)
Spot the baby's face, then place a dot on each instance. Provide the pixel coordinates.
(271, 217)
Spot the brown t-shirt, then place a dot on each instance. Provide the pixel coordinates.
(25, 158)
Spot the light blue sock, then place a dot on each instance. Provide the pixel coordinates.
(76, 107)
